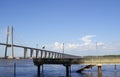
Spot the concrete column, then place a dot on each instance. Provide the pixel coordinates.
(45, 54)
(49, 54)
(37, 52)
(68, 69)
(31, 53)
(12, 42)
(41, 54)
(52, 55)
(99, 68)
(25, 53)
(6, 42)
(63, 56)
(55, 55)
(60, 55)
(38, 70)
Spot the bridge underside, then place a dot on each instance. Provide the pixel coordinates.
(54, 61)
(67, 62)
(87, 61)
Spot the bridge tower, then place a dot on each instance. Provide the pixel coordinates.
(9, 32)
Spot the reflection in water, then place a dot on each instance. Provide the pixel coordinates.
(99, 73)
(26, 68)
(106, 71)
(115, 73)
(91, 74)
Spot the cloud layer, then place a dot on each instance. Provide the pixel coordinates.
(87, 39)
(86, 44)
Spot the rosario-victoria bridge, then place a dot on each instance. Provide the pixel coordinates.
(43, 56)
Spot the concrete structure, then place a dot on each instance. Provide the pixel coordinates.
(89, 62)
(51, 57)
(39, 52)
(9, 33)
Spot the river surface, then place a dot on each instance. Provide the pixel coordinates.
(26, 68)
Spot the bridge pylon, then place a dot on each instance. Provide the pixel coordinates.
(9, 32)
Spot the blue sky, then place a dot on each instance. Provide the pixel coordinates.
(77, 23)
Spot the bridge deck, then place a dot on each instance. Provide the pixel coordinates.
(88, 61)
(67, 62)
(55, 61)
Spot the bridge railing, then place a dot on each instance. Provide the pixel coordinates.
(38, 53)
(51, 54)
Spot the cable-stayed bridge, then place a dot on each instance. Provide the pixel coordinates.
(39, 52)
(43, 56)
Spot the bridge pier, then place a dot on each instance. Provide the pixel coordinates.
(38, 70)
(41, 54)
(68, 69)
(45, 56)
(99, 67)
(25, 53)
(31, 53)
(37, 52)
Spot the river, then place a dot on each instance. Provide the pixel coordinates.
(26, 68)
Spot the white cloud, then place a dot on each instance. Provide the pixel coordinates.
(87, 39)
(88, 46)
(73, 46)
(57, 46)
(100, 43)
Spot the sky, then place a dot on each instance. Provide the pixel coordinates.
(86, 27)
